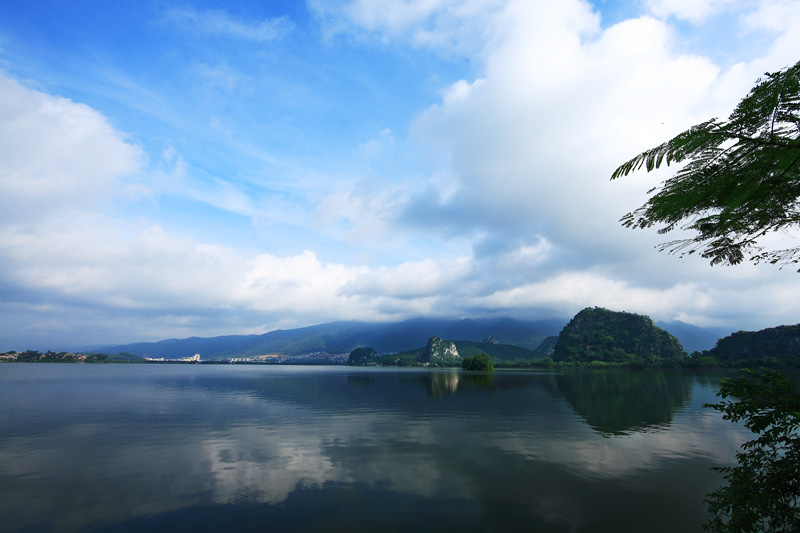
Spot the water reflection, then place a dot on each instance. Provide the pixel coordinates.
(441, 382)
(360, 379)
(139, 448)
(617, 402)
(480, 380)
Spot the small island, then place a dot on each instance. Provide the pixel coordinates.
(478, 363)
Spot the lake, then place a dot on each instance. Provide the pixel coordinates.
(303, 448)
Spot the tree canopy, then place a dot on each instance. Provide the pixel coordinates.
(740, 179)
(597, 334)
(480, 363)
(763, 490)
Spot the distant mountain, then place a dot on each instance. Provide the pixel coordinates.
(177, 348)
(546, 348)
(413, 333)
(498, 352)
(345, 336)
(694, 338)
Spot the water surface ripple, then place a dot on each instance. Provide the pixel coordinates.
(214, 447)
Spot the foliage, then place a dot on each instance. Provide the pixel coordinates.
(763, 490)
(362, 356)
(407, 360)
(599, 338)
(124, 357)
(740, 181)
(781, 342)
(498, 351)
(597, 334)
(480, 363)
(547, 347)
(546, 362)
(33, 356)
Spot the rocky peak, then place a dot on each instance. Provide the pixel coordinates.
(440, 352)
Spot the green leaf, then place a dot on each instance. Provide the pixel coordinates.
(739, 180)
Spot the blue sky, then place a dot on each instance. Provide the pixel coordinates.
(170, 169)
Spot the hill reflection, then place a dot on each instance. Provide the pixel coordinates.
(448, 382)
(320, 449)
(441, 383)
(620, 402)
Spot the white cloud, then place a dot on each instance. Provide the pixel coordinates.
(360, 213)
(107, 262)
(517, 211)
(220, 75)
(780, 19)
(692, 10)
(443, 25)
(378, 146)
(56, 153)
(61, 164)
(774, 15)
(412, 279)
(569, 292)
(220, 22)
(533, 143)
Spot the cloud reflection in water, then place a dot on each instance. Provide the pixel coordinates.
(102, 446)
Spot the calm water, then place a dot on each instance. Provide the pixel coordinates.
(160, 447)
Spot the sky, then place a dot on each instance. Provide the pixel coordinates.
(199, 168)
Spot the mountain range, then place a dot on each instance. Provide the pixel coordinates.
(345, 336)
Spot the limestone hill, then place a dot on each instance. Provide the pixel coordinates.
(597, 334)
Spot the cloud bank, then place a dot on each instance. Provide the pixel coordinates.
(493, 197)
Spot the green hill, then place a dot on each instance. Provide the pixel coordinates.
(597, 334)
(498, 352)
(363, 357)
(782, 342)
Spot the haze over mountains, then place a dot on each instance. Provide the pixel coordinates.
(345, 336)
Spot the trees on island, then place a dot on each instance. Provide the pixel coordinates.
(480, 363)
